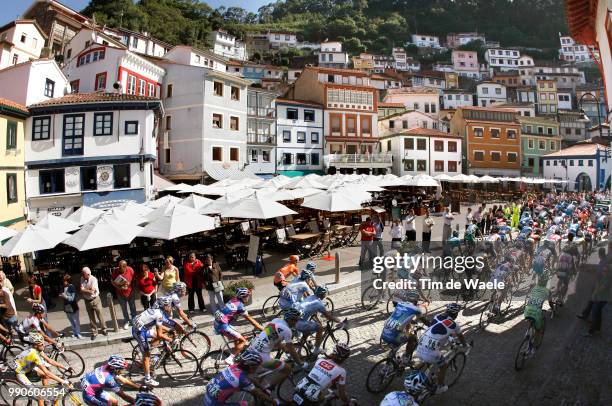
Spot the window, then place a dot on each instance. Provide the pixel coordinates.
(265, 155)
(580, 162)
(366, 124)
(590, 162)
(309, 115)
(578, 131)
(235, 93)
(217, 154)
(495, 156)
(552, 145)
(405, 124)
(512, 156)
(15, 59)
(485, 90)
(74, 86)
(100, 83)
(314, 138)
(49, 88)
(74, 129)
(314, 159)
(416, 106)
(478, 132)
(234, 154)
(542, 144)
(439, 166)
(350, 125)
(131, 127)
(530, 144)
(498, 90)
(234, 124)
(253, 155)
(495, 132)
(11, 188)
(409, 165)
(391, 124)
(300, 159)
(571, 162)
(433, 107)
(23, 38)
(103, 124)
(421, 165)
(568, 131)
(426, 107)
(286, 136)
(452, 166)
(51, 181)
(135, 42)
(168, 122)
(41, 128)
(408, 143)
(89, 178)
(11, 134)
(151, 91)
(544, 108)
(142, 87)
(547, 163)
(478, 156)
(287, 158)
(421, 144)
(452, 146)
(301, 137)
(217, 121)
(131, 85)
(439, 146)
(218, 88)
(169, 90)
(292, 114)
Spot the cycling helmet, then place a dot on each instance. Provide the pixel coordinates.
(36, 338)
(147, 399)
(321, 290)
(311, 266)
(341, 351)
(453, 309)
(306, 274)
(164, 301)
(294, 258)
(179, 287)
(249, 359)
(242, 293)
(38, 308)
(292, 314)
(416, 382)
(117, 362)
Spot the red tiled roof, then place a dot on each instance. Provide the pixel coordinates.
(581, 20)
(12, 105)
(304, 102)
(428, 132)
(77, 98)
(586, 148)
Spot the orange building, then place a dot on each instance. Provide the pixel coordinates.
(491, 140)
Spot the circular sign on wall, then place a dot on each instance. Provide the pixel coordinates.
(105, 175)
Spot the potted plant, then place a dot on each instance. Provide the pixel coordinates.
(230, 289)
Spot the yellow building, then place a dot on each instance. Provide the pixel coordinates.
(12, 182)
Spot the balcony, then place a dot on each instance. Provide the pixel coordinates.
(262, 112)
(260, 139)
(359, 160)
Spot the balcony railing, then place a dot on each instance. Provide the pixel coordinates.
(254, 138)
(332, 159)
(263, 112)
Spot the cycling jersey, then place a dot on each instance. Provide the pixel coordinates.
(566, 262)
(535, 301)
(176, 301)
(31, 323)
(311, 306)
(232, 379)
(293, 293)
(274, 333)
(280, 277)
(435, 338)
(144, 322)
(398, 398)
(96, 384)
(393, 330)
(470, 232)
(27, 360)
(228, 313)
(324, 374)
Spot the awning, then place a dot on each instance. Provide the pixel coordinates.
(222, 173)
(293, 174)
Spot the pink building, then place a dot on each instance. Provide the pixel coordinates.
(465, 63)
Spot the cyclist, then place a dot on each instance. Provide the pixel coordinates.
(296, 290)
(280, 277)
(101, 382)
(230, 312)
(453, 244)
(309, 307)
(179, 290)
(415, 383)
(36, 322)
(565, 268)
(148, 325)
(533, 310)
(471, 233)
(326, 374)
(501, 274)
(235, 378)
(277, 335)
(436, 337)
(312, 267)
(34, 362)
(396, 330)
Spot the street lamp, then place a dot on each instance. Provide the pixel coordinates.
(584, 116)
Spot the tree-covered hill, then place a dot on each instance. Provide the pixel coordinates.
(373, 25)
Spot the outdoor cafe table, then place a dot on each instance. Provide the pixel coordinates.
(265, 229)
(304, 236)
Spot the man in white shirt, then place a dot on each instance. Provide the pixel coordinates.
(448, 225)
(93, 304)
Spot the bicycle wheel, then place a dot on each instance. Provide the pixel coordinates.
(521, 355)
(336, 336)
(10, 353)
(72, 359)
(8, 389)
(135, 369)
(370, 298)
(486, 315)
(381, 375)
(181, 365)
(213, 362)
(270, 308)
(286, 388)
(390, 306)
(72, 398)
(329, 304)
(455, 368)
(23, 401)
(196, 342)
(241, 397)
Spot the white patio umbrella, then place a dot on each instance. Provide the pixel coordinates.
(289, 194)
(461, 178)
(301, 183)
(355, 194)
(443, 178)
(85, 214)
(488, 179)
(122, 216)
(195, 201)
(423, 181)
(133, 208)
(473, 179)
(257, 207)
(30, 239)
(104, 232)
(217, 206)
(154, 204)
(180, 187)
(276, 182)
(176, 221)
(332, 201)
(56, 223)
(365, 187)
(6, 232)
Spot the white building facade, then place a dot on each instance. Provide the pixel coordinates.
(502, 59)
(488, 93)
(423, 99)
(20, 41)
(187, 55)
(95, 149)
(584, 166)
(225, 44)
(33, 82)
(425, 41)
(282, 40)
(261, 131)
(453, 99)
(332, 56)
(572, 52)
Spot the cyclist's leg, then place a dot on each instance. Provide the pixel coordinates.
(102, 399)
(238, 339)
(307, 327)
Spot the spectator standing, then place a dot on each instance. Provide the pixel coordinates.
(409, 226)
(428, 224)
(36, 293)
(213, 283)
(193, 280)
(469, 217)
(397, 234)
(146, 283)
(448, 225)
(122, 280)
(168, 275)
(478, 218)
(602, 294)
(71, 306)
(379, 227)
(6, 283)
(7, 308)
(93, 304)
(367, 232)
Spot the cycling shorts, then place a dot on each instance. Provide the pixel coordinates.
(142, 338)
(24, 379)
(307, 326)
(429, 357)
(102, 399)
(396, 341)
(228, 331)
(536, 315)
(208, 401)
